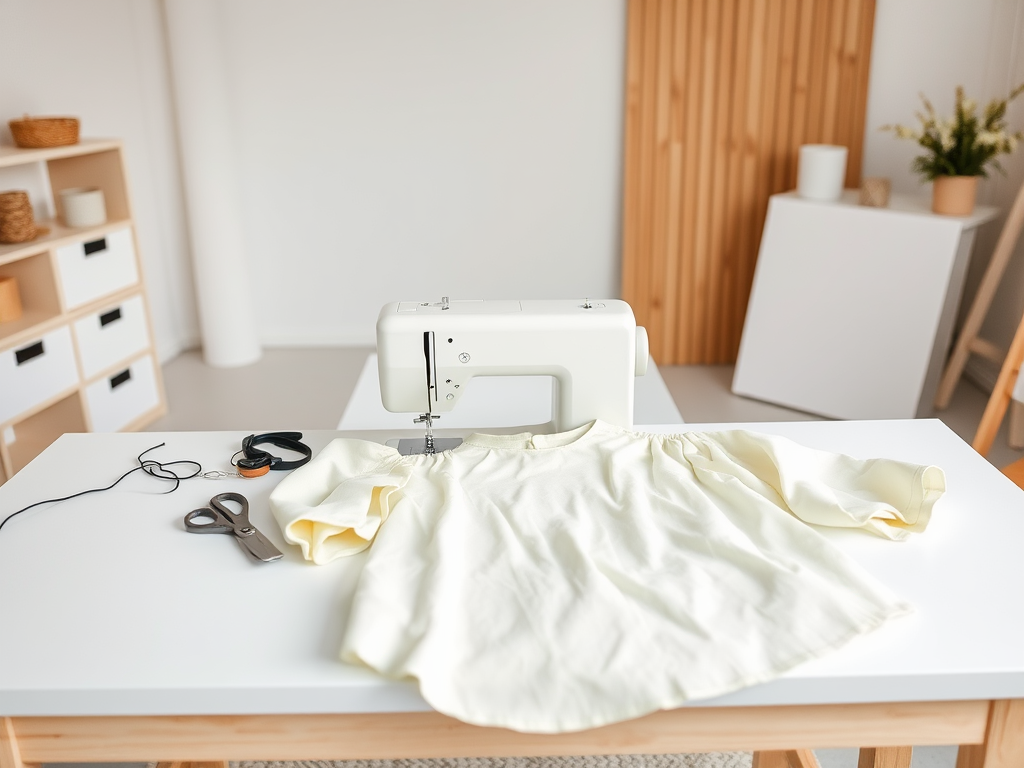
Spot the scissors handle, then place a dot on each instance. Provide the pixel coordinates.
(239, 518)
(216, 523)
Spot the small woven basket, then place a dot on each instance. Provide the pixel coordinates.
(875, 191)
(38, 132)
(17, 224)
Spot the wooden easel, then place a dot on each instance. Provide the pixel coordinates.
(969, 342)
(1001, 394)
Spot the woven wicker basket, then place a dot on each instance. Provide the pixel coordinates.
(37, 132)
(17, 224)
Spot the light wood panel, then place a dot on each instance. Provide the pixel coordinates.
(720, 94)
(430, 734)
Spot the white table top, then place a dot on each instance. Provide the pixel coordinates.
(108, 607)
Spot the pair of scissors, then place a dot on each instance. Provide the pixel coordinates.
(219, 518)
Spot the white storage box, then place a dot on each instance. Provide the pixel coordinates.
(34, 372)
(95, 268)
(117, 400)
(110, 335)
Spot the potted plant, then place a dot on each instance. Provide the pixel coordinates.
(957, 149)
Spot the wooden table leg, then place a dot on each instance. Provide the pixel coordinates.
(793, 758)
(1004, 739)
(770, 760)
(802, 758)
(885, 757)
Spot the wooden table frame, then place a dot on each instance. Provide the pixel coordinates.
(991, 732)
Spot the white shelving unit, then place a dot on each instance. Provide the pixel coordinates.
(80, 358)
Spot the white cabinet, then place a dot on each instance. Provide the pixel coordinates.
(115, 401)
(91, 269)
(111, 334)
(852, 308)
(81, 355)
(34, 372)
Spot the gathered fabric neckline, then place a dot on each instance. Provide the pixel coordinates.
(529, 441)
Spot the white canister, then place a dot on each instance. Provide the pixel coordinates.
(83, 206)
(822, 171)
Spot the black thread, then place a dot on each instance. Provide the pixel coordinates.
(151, 467)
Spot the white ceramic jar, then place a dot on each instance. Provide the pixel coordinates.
(821, 172)
(83, 206)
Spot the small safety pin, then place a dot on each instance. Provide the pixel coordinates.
(218, 474)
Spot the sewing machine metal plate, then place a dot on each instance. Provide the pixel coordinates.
(408, 446)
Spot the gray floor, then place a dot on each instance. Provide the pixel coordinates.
(288, 389)
(308, 389)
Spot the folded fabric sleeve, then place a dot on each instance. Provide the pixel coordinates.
(337, 504)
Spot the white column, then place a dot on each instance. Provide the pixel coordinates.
(223, 288)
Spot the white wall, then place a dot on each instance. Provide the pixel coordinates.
(401, 149)
(406, 150)
(930, 47)
(103, 61)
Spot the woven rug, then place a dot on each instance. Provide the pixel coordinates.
(705, 760)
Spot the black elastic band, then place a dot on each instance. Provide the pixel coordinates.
(254, 458)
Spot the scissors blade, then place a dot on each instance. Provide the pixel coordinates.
(256, 544)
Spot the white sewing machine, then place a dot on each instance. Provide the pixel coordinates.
(427, 353)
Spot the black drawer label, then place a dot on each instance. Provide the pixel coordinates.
(25, 354)
(108, 317)
(121, 378)
(95, 246)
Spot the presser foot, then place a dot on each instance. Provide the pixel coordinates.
(429, 444)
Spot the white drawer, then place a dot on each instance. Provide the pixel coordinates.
(117, 400)
(94, 268)
(36, 371)
(110, 335)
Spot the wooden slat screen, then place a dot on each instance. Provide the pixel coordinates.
(720, 94)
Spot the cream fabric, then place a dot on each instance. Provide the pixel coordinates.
(560, 582)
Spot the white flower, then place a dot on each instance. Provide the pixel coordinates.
(946, 135)
(991, 138)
